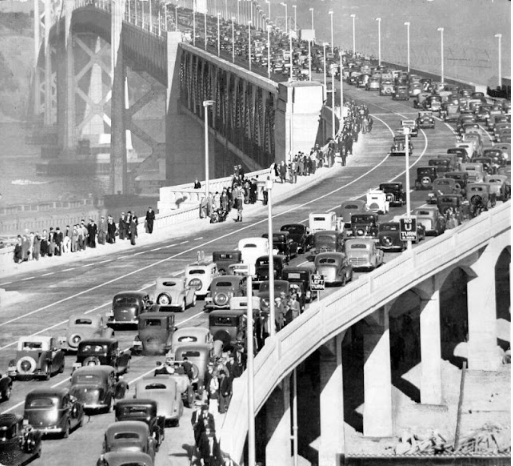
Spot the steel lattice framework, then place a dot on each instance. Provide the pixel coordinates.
(243, 112)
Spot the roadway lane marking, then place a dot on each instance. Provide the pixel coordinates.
(141, 376)
(28, 278)
(170, 246)
(61, 382)
(141, 252)
(46, 274)
(184, 242)
(121, 257)
(156, 249)
(14, 407)
(108, 260)
(6, 283)
(87, 265)
(67, 270)
(197, 239)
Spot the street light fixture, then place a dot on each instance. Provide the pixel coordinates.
(286, 17)
(499, 36)
(354, 34)
(272, 309)
(325, 82)
(269, 27)
(312, 11)
(249, 44)
(295, 17)
(332, 40)
(233, 39)
(406, 132)
(407, 24)
(379, 40)
(206, 104)
(341, 91)
(218, 34)
(441, 54)
(205, 20)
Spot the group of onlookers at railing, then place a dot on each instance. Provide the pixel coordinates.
(79, 237)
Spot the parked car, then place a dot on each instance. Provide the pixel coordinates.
(222, 289)
(82, 327)
(386, 88)
(328, 241)
(499, 186)
(365, 225)
(302, 275)
(334, 267)
(461, 178)
(227, 326)
(461, 154)
(174, 291)
(102, 351)
(96, 387)
(362, 253)
(394, 193)
(126, 308)
(425, 177)
(425, 120)
(430, 217)
(433, 103)
(475, 171)
(53, 411)
(373, 84)
(224, 259)
(262, 268)
(5, 387)
(155, 333)
(162, 389)
(139, 409)
(300, 234)
(284, 244)
(443, 164)
(198, 276)
(36, 356)
(489, 165)
(412, 126)
(377, 201)
(349, 208)
(129, 437)
(19, 443)
(320, 222)
(124, 458)
(420, 98)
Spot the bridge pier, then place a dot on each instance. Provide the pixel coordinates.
(332, 440)
(278, 426)
(377, 411)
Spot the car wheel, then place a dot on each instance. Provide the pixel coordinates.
(164, 299)
(48, 372)
(183, 305)
(7, 393)
(194, 298)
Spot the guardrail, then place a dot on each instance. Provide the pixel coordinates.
(337, 312)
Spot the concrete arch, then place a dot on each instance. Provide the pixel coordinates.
(503, 298)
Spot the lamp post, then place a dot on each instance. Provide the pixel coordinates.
(379, 40)
(205, 20)
(441, 54)
(286, 17)
(325, 82)
(295, 17)
(333, 105)
(272, 313)
(310, 59)
(218, 34)
(407, 24)
(233, 39)
(499, 85)
(269, 27)
(354, 34)
(407, 175)
(194, 22)
(332, 41)
(341, 92)
(249, 44)
(291, 51)
(238, 11)
(312, 11)
(206, 104)
(176, 17)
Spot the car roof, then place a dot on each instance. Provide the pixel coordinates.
(35, 339)
(136, 401)
(130, 426)
(102, 369)
(156, 315)
(139, 294)
(40, 392)
(228, 312)
(227, 278)
(8, 419)
(333, 254)
(99, 341)
(122, 458)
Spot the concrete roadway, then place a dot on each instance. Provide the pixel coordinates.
(48, 300)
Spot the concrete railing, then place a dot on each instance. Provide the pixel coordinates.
(325, 319)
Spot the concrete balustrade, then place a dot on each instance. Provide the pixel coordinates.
(339, 311)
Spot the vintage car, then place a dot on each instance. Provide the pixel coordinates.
(280, 286)
(125, 458)
(475, 171)
(450, 111)
(362, 253)
(155, 333)
(461, 154)
(174, 291)
(96, 387)
(433, 103)
(222, 289)
(442, 186)
(82, 327)
(126, 308)
(327, 240)
(227, 326)
(262, 268)
(349, 208)
(300, 234)
(497, 156)
(425, 120)
(36, 356)
(401, 93)
(251, 248)
(224, 259)
(373, 84)
(198, 276)
(163, 389)
(386, 88)
(430, 217)
(456, 204)
(443, 164)
(389, 237)
(102, 351)
(53, 411)
(334, 267)
(399, 145)
(139, 409)
(489, 165)
(418, 101)
(302, 275)
(412, 126)
(129, 437)
(472, 136)
(499, 186)
(283, 244)
(394, 193)
(199, 355)
(364, 225)
(5, 387)
(461, 178)
(191, 336)
(415, 88)
(19, 443)
(321, 222)
(362, 80)
(480, 196)
(469, 146)
(377, 201)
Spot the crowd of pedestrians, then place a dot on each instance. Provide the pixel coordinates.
(79, 237)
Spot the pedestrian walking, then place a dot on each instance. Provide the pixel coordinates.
(18, 256)
(36, 246)
(133, 230)
(92, 231)
(102, 230)
(150, 219)
(225, 391)
(44, 243)
(122, 225)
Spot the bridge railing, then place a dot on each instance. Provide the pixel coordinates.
(337, 312)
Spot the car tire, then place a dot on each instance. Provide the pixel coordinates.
(164, 299)
(21, 367)
(183, 306)
(194, 299)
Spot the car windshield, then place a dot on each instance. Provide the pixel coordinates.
(126, 436)
(134, 411)
(358, 246)
(32, 345)
(93, 348)
(86, 379)
(223, 321)
(362, 219)
(293, 228)
(83, 322)
(224, 284)
(41, 403)
(197, 272)
(222, 256)
(126, 300)
(325, 238)
(327, 260)
(156, 386)
(389, 227)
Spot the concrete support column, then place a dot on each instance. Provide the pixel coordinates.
(48, 65)
(278, 449)
(430, 343)
(37, 46)
(377, 411)
(70, 129)
(332, 402)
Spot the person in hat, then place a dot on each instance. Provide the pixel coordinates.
(150, 219)
(225, 391)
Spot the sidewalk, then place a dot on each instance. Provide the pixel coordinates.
(281, 192)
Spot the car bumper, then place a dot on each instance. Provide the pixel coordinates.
(114, 321)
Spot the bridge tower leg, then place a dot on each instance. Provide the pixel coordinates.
(377, 411)
(118, 159)
(278, 449)
(37, 47)
(49, 83)
(332, 402)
